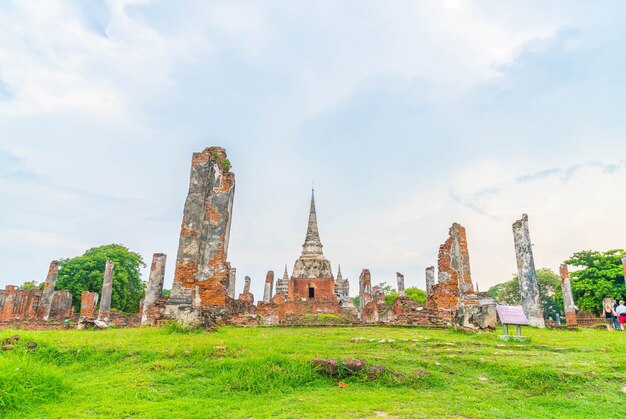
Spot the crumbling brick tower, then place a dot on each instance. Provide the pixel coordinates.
(202, 272)
(455, 285)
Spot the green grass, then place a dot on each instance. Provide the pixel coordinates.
(264, 372)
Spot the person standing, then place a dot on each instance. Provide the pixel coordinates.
(609, 313)
(621, 314)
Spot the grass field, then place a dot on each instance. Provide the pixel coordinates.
(263, 372)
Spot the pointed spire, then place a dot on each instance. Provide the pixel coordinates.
(339, 277)
(312, 244)
(286, 274)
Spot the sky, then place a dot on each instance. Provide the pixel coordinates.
(407, 116)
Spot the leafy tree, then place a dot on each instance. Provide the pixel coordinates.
(28, 285)
(416, 294)
(86, 272)
(601, 276)
(549, 285)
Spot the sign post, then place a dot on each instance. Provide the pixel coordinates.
(512, 315)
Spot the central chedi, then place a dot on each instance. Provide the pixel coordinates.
(312, 276)
(312, 288)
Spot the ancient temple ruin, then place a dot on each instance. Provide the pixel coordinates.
(311, 289)
(202, 273)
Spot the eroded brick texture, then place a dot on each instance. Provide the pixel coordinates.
(403, 311)
(568, 296)
(201, 277)
(232, 282)
(88, 304)
(246, 296)
(154, 290)
(17, 304)
(107, 289)
(269, 287)
(430, 279)
(61, 306)
(365, 290)
(45, 305)
(455, 286)
(400, 279)
(529, 288)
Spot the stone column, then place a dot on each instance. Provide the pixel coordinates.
(107, 289)
(232, 278)
(400, 278)
(269, 287)
(154, 291)
(88, 304)
(430, 278)
(214, 269)
(246, 285)
(568, 297)
(365, 290)
(45, 304)
(529, 288)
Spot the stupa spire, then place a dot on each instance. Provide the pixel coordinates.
(312, 244)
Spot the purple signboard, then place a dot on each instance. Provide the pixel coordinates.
(512, 315)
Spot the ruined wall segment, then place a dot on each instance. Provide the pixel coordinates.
(202, 274)
(269, 286)
(232, 282)
(107, 289)
(88, 304)
(568, 297)
(454, 286)
(430, 279)
(529, 288)
(246, 296)
(365, 290)
(400, 279)
(154, 291)
(45, 304)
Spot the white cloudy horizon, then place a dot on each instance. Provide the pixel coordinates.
(407, 116)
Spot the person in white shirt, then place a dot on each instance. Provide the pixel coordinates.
(621, 313)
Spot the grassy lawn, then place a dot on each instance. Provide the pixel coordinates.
(263, 372)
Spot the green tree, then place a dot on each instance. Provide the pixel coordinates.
(28, 285)
(86, 272)
(416, 294)
(601, 276)
(549, 288)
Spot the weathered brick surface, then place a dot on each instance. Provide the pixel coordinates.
(61, 306)
(88, 304)
(154, 290)
(529, 288)
(45, 304)
(365, 291)
(18, 305)
(455, 285)
(246, 296)
(107, 290)
(202, 274)
(403, 312)
(568, 296)
(269, 287)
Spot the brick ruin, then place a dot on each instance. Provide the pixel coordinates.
(453, 296)
(35, 305)
(568, 296)
(529, 288)
(202, 274)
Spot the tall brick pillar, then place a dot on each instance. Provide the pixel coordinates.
(155, 284)
(529, 288)
(365, 290)
(430, 279)
(568, 296)
(400, 279)
(45, 304)
(107, 290)
(232, 282)
(269, 287)
(202, 272)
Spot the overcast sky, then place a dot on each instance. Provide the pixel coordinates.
(407, 115)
